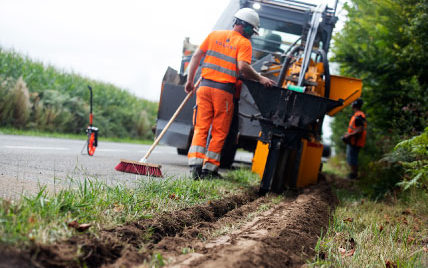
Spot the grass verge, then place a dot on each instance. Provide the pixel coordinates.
(336, 165)
(37, 133)
(366, 233)
(44, 216)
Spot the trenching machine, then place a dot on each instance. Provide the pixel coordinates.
(282, 124)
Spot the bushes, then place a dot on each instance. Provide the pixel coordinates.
(380, 178)
(412, 155)
(406, 166)
(383, 43)
(33, 96)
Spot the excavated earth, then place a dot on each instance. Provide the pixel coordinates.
(238, 231)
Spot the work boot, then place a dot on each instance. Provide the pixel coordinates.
(208, 174)
(196, 172)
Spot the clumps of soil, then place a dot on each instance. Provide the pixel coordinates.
(131, 241)
(10, 257)
(283, 236)
(238, 231)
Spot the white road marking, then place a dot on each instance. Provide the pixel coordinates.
(161, 152)
(110, 150)
(35, 148)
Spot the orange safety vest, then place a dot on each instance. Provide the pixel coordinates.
(359, 139)
(223, 50)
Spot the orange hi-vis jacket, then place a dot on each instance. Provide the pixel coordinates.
(358, 140)
(214, 97)
(223, 50)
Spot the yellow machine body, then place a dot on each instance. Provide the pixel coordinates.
(260, 158)
(310, 161)
(346, 88)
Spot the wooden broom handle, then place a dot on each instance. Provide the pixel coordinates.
(170, 122)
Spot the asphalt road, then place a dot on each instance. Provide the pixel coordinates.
(27, 163)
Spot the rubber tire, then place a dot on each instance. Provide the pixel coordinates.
(326, 150)
(182, 151)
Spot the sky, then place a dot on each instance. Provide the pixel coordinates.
(128, 43)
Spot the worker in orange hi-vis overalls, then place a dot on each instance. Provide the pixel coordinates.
(355, 137)
(227, 54)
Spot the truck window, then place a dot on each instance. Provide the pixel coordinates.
(274, 37)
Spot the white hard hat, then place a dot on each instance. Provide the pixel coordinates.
(250, 16)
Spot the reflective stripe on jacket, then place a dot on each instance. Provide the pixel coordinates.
(223, 50)
(359, 139)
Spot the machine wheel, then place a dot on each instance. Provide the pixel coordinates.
(91, 143)
(326, 150)
(182, 151)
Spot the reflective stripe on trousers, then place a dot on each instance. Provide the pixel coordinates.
(209, 166)
(196, 155)
(215, 110)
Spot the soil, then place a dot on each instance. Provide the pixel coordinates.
(238, 231)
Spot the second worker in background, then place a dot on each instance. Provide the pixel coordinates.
(355, 137)
(227, 55)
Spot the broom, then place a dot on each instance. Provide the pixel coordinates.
(141, 167)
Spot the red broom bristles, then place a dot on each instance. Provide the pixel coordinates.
(139, 168)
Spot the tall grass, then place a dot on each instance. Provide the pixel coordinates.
(44, 216)
(15, 102)
(40, 97)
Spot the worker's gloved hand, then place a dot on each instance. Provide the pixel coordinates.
(189, 87)
(266, 81)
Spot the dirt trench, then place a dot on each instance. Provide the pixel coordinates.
(238, 231)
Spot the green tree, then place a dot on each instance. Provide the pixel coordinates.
(384, 43)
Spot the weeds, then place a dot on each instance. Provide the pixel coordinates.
(157, 260)
(187, 250)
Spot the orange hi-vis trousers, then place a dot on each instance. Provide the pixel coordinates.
(214, 108)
